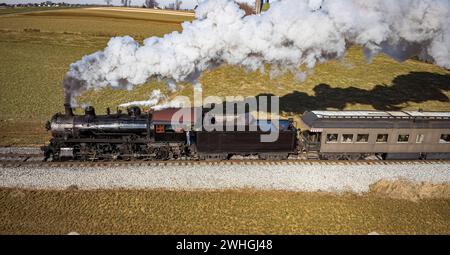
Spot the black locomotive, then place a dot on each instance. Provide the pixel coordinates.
(151, 136)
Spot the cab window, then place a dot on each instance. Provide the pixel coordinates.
(159, 129)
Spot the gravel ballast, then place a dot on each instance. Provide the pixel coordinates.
(20, 150)
(294, 177)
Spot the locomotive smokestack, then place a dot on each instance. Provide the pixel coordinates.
(90, 111)
(68, 109)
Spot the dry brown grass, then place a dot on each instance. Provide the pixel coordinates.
(90, 22)
(404, 189)
(12, 133)
(9, 11)
(216, 212)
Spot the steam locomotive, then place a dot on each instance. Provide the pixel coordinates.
(325, 135)
(152, 136)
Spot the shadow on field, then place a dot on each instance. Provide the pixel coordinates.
(414, 87)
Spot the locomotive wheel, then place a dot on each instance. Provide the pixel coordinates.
(54, 156)
(49, 156)
(162, 154)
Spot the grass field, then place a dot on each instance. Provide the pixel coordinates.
(37, 48)
(216, 212)
(4, 11)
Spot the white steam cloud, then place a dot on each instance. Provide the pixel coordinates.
(292, 34)
(156, 97)
(159, 101)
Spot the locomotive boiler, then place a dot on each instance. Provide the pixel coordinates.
(89, 124)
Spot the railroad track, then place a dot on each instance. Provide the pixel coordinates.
(35, 160)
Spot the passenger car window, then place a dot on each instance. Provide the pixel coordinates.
(382, 138)
(445, 138)
(419, 138)
(332, 138)
(347, 138)
(403, 138)
(362, 138)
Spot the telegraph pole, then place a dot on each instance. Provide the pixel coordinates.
(258, 6)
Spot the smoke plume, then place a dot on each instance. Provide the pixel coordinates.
(291, 35)
(156, 97)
